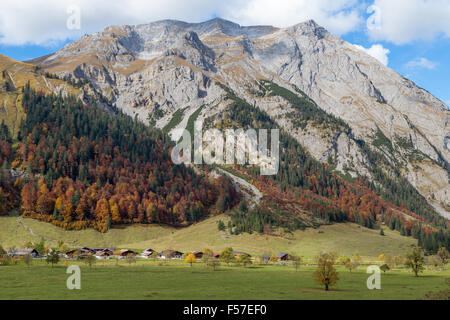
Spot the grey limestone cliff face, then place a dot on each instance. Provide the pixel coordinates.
(153, 70)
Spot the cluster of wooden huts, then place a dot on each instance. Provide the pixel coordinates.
(107, 253)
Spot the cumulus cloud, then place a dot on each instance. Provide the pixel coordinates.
(338, 16)
(400, 21)
(404, 21)
(44, 22)
(377, 51)
(421, 63)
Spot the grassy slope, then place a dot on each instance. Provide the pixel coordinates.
(148, 280)
(21, 73)
(346, 239)
(13, 233)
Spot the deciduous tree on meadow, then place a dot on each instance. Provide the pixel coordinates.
(415, 260)
(245, 259)
(190, 258)
(384, 268)
(90, 260)
(27, 259)
(343, 260)
(213, 263)
(443, 255)
(227, 255)
(350, 265)
(53, 257)
(296, 261)
(326, 273)
(357, 259)
(207, 255)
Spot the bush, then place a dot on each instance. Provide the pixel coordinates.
(5, 260)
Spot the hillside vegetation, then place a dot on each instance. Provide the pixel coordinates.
(87, 168)
(77, 166)
(303, 181)
(14, 75)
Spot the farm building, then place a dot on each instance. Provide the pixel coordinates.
(99, 253)
(88, 250)
(23, 252)
(237, 254)
(124, 253)
(170, 254)
(147, 253)
(108, 251)
(102, 255)
(197, 254)
(76, 253)
(281, 256)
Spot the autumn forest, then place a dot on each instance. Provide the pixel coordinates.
(77, 166)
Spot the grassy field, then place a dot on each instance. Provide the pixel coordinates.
(15, 231)
(345, 238)
(148, 280)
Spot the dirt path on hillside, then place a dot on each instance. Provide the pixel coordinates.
(47, 239)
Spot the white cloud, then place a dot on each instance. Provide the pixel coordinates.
(338, 16)
(421, 63)
(401, 21)
(44, 22)
(377, 51)
(404, 21)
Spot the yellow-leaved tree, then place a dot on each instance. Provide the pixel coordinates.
(326, 273)
(190, 258)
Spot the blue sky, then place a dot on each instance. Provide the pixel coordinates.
(412, 36)
(434, 77)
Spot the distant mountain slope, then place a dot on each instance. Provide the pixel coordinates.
(14, 75)
(82, 167)
(78, 166)
(154, 70)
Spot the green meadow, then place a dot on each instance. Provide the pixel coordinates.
(177, 280)
(344, 238)
(174, 279)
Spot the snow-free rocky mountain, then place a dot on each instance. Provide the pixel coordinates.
(154, 70)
